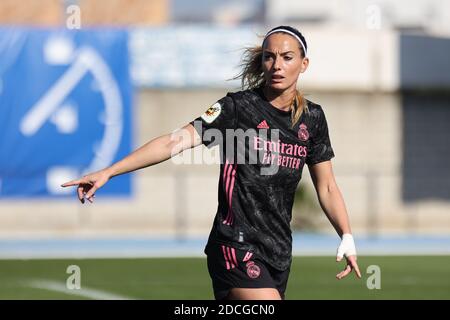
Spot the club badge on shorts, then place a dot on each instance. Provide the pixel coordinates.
(253, 271)
(303, 133)
(212, 113)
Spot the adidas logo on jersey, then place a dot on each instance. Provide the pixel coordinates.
(263, 125)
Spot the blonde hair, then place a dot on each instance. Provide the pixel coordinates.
(252, 76)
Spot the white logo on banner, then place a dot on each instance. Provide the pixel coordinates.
(53, 107)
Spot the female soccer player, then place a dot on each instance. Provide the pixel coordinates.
(266, 133)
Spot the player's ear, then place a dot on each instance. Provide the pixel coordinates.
(305, 64)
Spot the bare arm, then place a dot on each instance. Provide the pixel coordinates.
(332, 203)
(151, 153)
(330, 197)
(157, 150)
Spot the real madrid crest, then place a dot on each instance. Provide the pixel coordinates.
(303, 133)
(253, 271)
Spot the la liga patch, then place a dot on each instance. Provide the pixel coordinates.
(212, 113)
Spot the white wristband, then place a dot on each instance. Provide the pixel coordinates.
(347, 247)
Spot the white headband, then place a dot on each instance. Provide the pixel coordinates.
(291, 33)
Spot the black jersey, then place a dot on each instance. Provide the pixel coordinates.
(262, 157)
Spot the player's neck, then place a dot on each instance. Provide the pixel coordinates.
(280, 99)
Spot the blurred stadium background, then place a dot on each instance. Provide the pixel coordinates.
(85, 82)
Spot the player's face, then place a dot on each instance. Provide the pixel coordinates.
(282, 61)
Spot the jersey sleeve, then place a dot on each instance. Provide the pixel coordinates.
(320, 145)
(212, 124)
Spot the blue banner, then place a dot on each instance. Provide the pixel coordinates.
(65, 109)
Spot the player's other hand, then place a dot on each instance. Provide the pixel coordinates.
(89, 184)
(347, 249)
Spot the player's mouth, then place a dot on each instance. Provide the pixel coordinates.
(277, 78)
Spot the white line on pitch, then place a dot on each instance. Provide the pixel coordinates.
(83, 292)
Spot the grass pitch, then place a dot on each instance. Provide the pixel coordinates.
(402, 277)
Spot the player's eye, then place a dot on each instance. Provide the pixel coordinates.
(287, 58)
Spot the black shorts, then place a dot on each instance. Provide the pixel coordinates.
(233, 268)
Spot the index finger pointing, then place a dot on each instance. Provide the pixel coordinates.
(71, 183)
